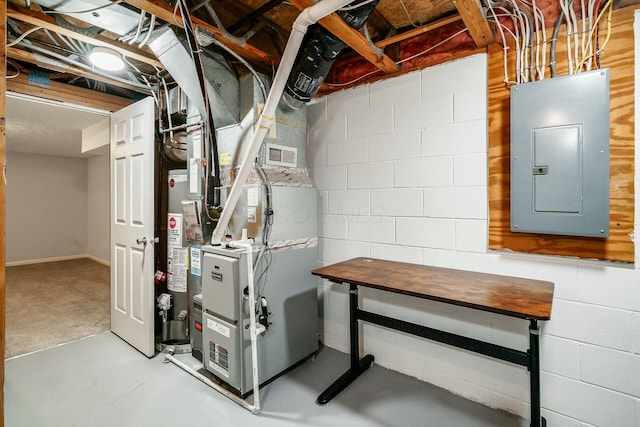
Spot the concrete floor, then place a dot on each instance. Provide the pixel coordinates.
(102, 381)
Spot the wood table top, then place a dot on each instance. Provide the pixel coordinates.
(511, 296)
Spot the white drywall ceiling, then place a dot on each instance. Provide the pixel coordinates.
(47, 127)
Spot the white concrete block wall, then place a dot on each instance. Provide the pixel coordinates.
(401, 168)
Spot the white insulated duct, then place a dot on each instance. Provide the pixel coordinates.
(179, 63)
(177, 60)
(306, 18)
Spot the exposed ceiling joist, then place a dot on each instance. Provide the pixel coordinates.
(379, 23)
(165, 12)
(67, 93)
(417, 31)
(41, 20)
(476, 21)
(352, 38)
(253, 16)
(23, 55)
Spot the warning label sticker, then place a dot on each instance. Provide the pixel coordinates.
(178, 266)
(174, 229)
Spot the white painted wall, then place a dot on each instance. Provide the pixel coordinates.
(46, 207)
(401, 169)
(98, 207)
(95, 136)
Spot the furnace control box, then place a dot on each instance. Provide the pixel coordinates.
(290, 298)
(560, 155)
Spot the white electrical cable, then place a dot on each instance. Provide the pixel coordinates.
(567, 16)
(516, 36)
(535, 46)
(505, 48)
(589, 51)
(406, 11)
(355, 6)
(543, 65)
(152, 24)
(440, 43)
(576, 35)
(517, 42)
(525, 32)
(143, 13)
(583, 45)
(23, 35)
(607, 6)
(541, 39)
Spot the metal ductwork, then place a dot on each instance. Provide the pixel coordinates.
(222, 85)
(115, 18)
(318, 53)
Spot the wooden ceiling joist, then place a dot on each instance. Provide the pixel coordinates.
(475, 20)
(417, 31)
(41, 20)
(23, 55)
(63, 92)
(352, 38)
(165, 12)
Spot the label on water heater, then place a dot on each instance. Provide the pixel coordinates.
(196, 268)
(178, 266)
(174, 229)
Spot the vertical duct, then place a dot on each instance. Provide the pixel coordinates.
(319, 51)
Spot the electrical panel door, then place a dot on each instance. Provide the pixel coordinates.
(560, 155)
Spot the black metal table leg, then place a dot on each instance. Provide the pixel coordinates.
(534, 372)
(357, 365)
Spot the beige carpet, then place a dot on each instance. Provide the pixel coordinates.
(54, 303)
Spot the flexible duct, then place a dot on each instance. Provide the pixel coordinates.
(306, 18)
(319, 51)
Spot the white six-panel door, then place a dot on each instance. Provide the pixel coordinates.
(132, 231)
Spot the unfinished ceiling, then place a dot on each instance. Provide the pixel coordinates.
(50, 40)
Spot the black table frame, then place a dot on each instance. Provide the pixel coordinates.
(529, 359)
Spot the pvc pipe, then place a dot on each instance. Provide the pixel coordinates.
(307, 17)
(237, 399)
(253, 329)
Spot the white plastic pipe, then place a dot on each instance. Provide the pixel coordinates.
(254, 330)
(307, 17)
(240, 401)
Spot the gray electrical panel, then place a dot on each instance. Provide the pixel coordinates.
(560, 155)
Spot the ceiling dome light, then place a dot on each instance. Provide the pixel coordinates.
(106, 58)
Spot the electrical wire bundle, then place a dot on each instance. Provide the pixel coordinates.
(528, 30)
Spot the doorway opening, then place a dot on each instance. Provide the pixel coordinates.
(57, 226)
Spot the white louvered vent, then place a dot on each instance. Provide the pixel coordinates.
(279, 155)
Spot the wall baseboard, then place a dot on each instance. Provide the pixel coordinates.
(54, 259)
(100, 260)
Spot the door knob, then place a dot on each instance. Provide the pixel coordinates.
(142, 241)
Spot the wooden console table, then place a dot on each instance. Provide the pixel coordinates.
(509, 296)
